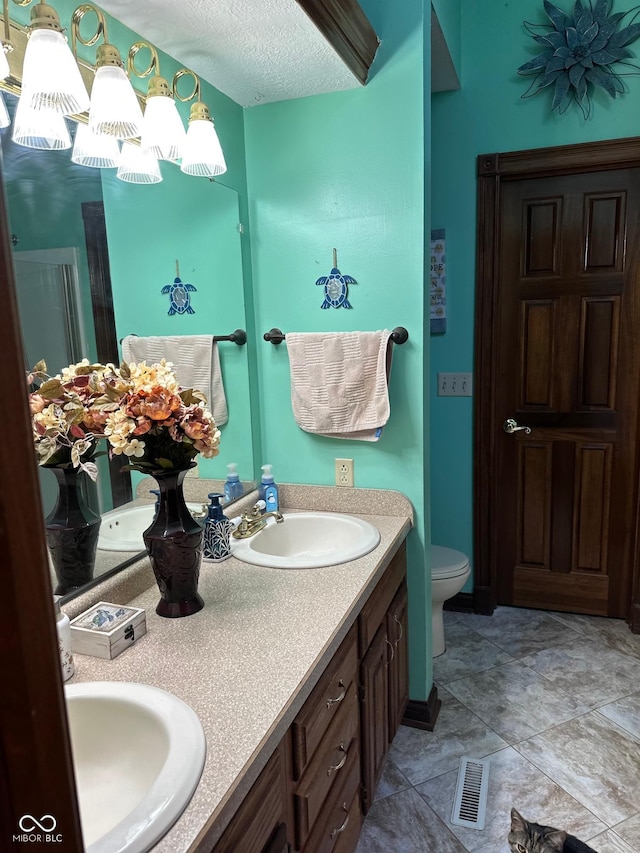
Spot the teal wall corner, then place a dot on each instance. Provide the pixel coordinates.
(346, 170)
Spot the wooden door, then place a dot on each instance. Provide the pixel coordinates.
(566, 364)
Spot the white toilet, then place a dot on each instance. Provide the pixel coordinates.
(450, 571)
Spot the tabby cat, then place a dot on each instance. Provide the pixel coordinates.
(528, 837)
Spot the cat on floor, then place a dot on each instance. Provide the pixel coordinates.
(529, 837)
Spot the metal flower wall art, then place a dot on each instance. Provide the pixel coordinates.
(581, 50)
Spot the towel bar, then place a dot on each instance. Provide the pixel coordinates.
(399, 335)
(238, 337)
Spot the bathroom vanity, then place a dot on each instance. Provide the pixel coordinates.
(299, 678)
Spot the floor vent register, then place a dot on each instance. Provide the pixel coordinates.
(470, 805)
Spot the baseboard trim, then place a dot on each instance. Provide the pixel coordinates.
(460, 603)
(423, 715)
(634, 619)
(483, 600)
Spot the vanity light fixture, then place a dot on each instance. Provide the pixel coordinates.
(43, 129)
(202, 154)
(51, 79)
(114, 109)
(163, 133)
(138, 166)
(91, 149)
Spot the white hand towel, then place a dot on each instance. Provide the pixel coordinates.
(196, 362)
(339, 382)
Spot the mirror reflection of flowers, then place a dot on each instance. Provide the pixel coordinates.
(156, 424)
(68, 412)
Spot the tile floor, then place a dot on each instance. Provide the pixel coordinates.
(554, 700)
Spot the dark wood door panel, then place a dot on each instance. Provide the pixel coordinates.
(565, 284)
(604, 231)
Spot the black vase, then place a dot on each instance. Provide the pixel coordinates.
(72, 530)
(174, 545)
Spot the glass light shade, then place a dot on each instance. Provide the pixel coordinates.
(44, 129)
(114, 110)
(202, 154)
(4, 63)
(137, 166)
(5, 120)
(98, 152)
(51, 78)
(163, 133)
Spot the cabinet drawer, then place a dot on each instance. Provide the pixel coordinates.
(323, 704)
(373, 613)
(333, 760)
(338, 826)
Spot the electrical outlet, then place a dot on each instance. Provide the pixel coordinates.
(344, 472)
(455, 384)
(193, 472)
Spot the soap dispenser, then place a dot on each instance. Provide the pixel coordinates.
(268, 491)
(217, 531)
(233, 487)
(63, 627)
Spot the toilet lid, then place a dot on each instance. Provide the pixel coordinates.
(447, 563)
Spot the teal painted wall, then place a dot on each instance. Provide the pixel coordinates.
(487, 114)
(346, 170)
(449, 14)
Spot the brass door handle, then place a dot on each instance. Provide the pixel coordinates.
(344, 825)
(510, 426)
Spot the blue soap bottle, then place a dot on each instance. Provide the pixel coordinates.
(217, 531)
(233, 487)
(268, 491)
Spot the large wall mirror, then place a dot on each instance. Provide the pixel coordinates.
(53, 206)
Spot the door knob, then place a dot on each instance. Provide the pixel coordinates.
(510, 426)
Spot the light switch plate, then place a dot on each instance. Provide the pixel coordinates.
(455, 384)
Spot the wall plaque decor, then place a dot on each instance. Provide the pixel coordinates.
(580, 50)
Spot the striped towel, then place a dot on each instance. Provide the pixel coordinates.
(339, 382)
(196, 362)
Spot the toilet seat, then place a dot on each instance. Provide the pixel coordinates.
(447, 563)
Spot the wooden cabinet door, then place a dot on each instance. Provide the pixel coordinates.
(255, 826)
(399, 664)
(374, 713)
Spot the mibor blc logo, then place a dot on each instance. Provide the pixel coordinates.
(38, 830)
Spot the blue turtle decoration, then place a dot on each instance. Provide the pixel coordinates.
(179, 295)
(335, 286)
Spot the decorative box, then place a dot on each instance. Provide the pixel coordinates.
(105, 630)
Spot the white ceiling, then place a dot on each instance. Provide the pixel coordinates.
(255, 51)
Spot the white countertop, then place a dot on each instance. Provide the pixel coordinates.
(248, 660)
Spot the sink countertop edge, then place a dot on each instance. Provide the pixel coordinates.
(171, 655)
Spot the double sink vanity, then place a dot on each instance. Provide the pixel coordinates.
(296, 679)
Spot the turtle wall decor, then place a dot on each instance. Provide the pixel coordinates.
(335, 287)
(179, 299)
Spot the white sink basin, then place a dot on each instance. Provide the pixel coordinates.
(308, 540)
(122, 528)
(138, 754)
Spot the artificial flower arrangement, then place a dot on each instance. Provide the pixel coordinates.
(140, 409)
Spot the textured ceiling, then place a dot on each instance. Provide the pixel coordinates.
(254, 51)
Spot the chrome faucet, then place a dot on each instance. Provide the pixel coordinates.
(252, 522)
